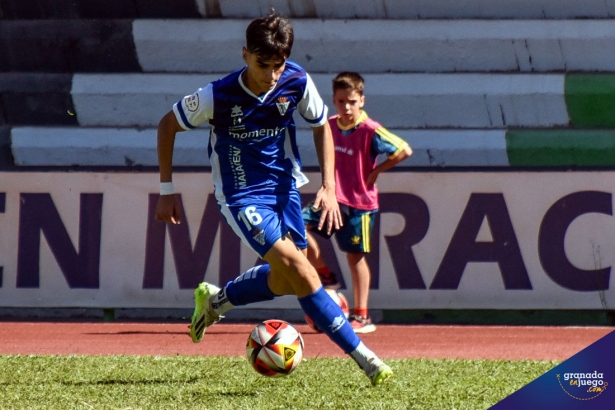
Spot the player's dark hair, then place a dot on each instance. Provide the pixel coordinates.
(348, 80)
(270, 36)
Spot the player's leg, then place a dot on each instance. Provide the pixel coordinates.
(290, 265)
(289, 272)
(314, 255)
(355, 239)
(289, 262)
(287, 256)
(259, 227)
(211, 302)
(311, 218)
(361, 278)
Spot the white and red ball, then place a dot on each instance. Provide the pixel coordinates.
(338, 298)
(275, 348)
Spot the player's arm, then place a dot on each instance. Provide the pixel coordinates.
(192, 110)
(325, 197)
(314, 111)
(397, 149)
(167, 209)
(388, 164)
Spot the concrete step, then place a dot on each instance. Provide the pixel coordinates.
(68, 146)
(347, 9)
(401, 101)
(126, 147)
(67, 46)
(398, 101)
(36, 99)
(380, 46)
(421, 9)
(98, 9)
(321, 46)
(62, 146)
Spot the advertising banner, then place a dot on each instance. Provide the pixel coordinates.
(442, 240)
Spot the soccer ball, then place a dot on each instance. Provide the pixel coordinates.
(275, 348)
(338, 298)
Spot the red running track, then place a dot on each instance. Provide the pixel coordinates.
(389, 341)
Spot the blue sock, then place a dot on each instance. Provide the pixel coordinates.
(328, 316)
(250, 287)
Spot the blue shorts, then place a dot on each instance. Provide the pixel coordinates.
(354, 236)
(262, 223)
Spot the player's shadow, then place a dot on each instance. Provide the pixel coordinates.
(135, 332)
(164, 332)
(125, 382)
(236, 394)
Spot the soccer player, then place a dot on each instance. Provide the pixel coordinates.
(256, 172)
(358, 141)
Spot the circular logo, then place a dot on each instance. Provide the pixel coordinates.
(192, 102)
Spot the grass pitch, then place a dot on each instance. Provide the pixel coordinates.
(183, 382)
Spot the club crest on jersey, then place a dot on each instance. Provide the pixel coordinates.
(282, 105)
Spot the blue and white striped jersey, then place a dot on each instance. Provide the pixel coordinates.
(252, 147)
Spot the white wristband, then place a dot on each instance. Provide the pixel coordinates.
(167, 188)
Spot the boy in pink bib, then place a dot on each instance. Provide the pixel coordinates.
(358, 141)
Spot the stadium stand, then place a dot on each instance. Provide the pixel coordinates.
(466, 83)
